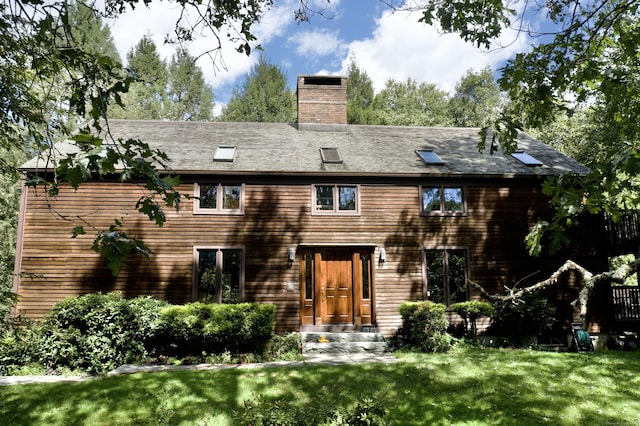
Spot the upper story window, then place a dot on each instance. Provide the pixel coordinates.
(443, 200)
(218, 198)
(335, 199)
(526, 159)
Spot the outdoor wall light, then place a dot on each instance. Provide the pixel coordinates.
(383, 255)
(292, 254)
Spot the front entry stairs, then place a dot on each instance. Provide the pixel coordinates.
(343, 342)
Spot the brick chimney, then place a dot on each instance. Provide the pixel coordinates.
(322, 103)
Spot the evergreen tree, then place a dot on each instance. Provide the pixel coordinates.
(90, 33)
(476, 100)
(189, 98)
(263, 97)
(411, 104)
(360, 95)
(146, 96)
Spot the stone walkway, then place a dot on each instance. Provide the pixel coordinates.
(309, 359)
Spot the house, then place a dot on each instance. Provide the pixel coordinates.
(335, 224)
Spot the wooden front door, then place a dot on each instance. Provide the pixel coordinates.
(336, 286)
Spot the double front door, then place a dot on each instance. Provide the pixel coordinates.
(336, 286)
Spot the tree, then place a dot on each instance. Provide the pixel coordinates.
(146, 97)
(90, 32)
(360, 95)
(189, 98)
(476, 99)
(263, 97)
(588, 59)
(411, 104)
(51, 86)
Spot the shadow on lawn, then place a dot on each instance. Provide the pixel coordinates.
(483, 387)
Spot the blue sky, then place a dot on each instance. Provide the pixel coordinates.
(384, 44)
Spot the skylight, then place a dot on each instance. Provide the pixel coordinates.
(330, 155)
(430, 157)
(526, 159)
(225, 153)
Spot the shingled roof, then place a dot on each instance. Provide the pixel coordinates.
(280, 148)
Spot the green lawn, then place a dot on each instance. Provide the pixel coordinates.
(466, 386)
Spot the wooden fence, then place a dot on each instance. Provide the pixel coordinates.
(626, 307)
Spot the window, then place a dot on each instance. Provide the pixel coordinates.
(218, 275)
(330, 155)
(225, 153)
(442, 200)
(526, 159)
(340, 199)
(446, 275)
(430, 157)
(218, 198)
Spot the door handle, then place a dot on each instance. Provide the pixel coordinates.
(322, 293)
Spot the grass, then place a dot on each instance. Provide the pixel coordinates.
(470, 386)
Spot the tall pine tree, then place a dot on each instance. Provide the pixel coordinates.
(189, 98)
(146, 97)
(263, 97)
(360, 95)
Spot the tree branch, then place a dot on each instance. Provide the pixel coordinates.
(590, 282)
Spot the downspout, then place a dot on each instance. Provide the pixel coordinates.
(17, 264)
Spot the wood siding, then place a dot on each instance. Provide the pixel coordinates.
(276, 217)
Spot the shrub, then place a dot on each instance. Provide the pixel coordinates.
(98, 332)
(19, 345)
(470, 312)
(215, 328)
(283, 347)
(425, 325)
(531, 315)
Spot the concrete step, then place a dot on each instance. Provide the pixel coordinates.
(351, 342)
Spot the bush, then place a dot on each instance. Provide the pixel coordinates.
(531, 315)
(98, 332)
(198, 328)
(470, 312)
(283, 347)
(19, 345)
(425, 325)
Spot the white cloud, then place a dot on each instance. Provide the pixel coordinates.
(401, 48)
(315, 43)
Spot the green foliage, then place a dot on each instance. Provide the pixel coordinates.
(283, 347)
(98, 332)
(263, 97)
(19, 344)
(470, 312)
(327, 409)
(147, 94)
(214, 328)
(476, 99)
(189, 97)
(424, 325)
(516, 319)
(411, 104)
(360, 95)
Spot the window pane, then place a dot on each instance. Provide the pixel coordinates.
(231, 267)
(457, 283)
(208, 196)
(365, 276)
(430, 199)
(324, 197)
(231, 197)
(453, 199)
(308, 283)
(347, 197)
(435, 275)
(207, 280)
